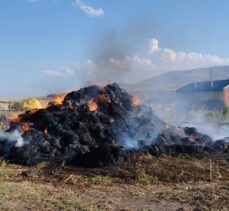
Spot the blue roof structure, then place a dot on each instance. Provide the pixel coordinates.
(204, 86)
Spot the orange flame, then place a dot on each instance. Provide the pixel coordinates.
(136, 101)
(58, 100)
(92, 105)
(26, 126)
(103, 97)
(46, 131)
(97, 83)
(14, 118)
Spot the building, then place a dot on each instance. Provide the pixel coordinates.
(208, 94)
(226, 95)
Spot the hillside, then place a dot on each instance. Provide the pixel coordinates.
(176, 79)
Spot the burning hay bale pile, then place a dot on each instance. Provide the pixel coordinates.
(95, 126)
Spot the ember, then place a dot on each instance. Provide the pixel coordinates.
(136, 101)
(92, 105)
(103, 97)
(25, 126)
(70, 131)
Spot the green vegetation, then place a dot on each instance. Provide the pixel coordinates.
(172, 193)
(99, 179)
(16, 106)
(42, 165)
(142, 177)
(71, 202)
(226, 111)
(6, 171)
(217, 115)
(214, 115)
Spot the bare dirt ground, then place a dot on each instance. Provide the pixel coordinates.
(149, 183)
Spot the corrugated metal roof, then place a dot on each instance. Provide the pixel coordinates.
(204, 86)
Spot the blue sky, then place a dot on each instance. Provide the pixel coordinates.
(54, 45)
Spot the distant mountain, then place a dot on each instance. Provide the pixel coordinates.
(175, 79)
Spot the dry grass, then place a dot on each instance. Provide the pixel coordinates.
(147, 184)
(35, 196)
(5, 170)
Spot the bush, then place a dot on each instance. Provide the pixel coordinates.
(226, 111)
(16, 106)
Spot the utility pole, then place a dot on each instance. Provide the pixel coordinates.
(211, 78)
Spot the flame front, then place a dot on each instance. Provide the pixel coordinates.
(58, 100)
(136, 101)
(92, 105)
(14, 118)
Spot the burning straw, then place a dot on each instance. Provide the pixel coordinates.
(96, 126)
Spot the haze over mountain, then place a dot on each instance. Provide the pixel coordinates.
(176, 79)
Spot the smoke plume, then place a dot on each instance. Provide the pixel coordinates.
(10, 140)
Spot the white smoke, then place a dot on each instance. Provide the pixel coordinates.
(115, 61)
(11, 137)
(153, 45)
(178, 113)
(212, 128)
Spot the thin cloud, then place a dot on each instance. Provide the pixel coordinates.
(60, 73)
(39, 0)
(87, 9)
(93, 12)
